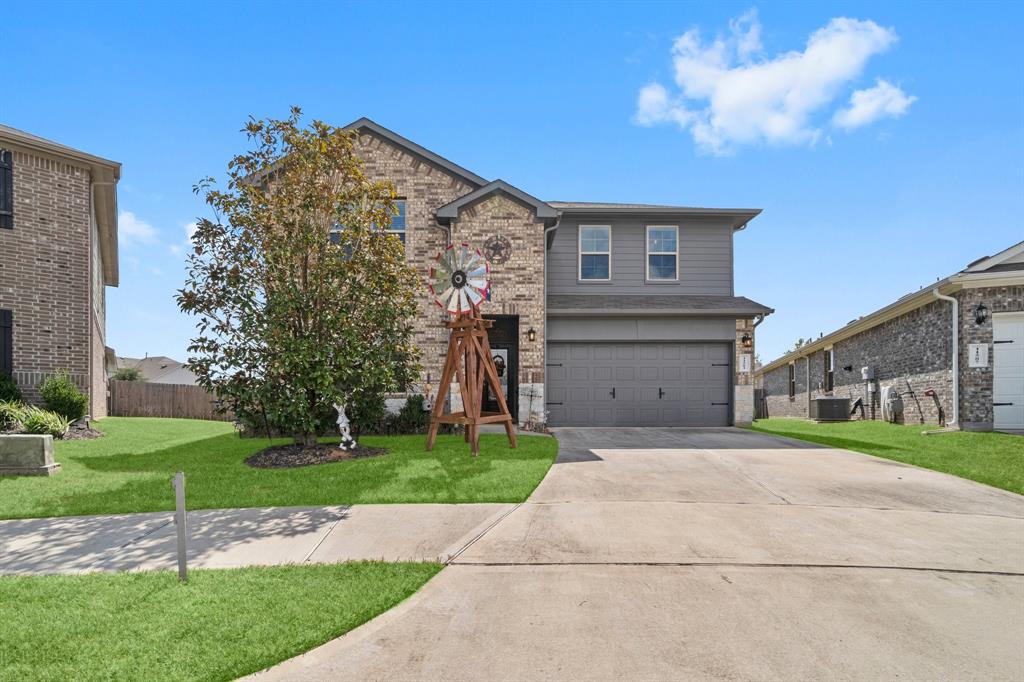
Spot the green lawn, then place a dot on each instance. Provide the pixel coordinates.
(218, 626)
(130, 468)
(993, 458)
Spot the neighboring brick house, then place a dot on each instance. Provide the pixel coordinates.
(605, 314)
(907, 345)
(58, 252)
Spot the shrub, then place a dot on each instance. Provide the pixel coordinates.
(412, 418)
(35, 420)
(367, 414)
(129, 374)
(11, 412)
(60, 395)
(9, 389)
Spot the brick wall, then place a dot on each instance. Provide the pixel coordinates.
(743, 390)
(45, 271)
(517, 286)
(424, 188)
(976, 382)
(913, 347)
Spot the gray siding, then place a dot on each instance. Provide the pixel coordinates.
(705, 257)
(640, 329)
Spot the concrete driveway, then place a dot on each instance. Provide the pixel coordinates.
(671, 554)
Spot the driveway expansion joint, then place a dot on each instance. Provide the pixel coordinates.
(737, 564)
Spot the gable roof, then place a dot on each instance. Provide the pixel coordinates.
(1006, 260)
(545, 213)
(998, 270)
(420, 151)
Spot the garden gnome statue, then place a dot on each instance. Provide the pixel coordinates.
(347, 441)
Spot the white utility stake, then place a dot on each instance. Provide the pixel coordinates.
(179, 521)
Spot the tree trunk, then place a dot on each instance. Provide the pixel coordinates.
(306, 440)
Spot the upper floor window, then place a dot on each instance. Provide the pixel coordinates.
(595, 252)
(662, 252)
(6, 189)
(396, 227)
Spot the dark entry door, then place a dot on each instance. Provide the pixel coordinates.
(504, 339)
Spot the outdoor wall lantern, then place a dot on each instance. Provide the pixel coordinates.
(747, 340)
(532, 334)
(980, 314)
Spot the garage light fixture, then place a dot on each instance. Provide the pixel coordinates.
(532, 335)
(980, 314)
(747, 340)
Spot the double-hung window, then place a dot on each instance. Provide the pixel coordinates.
(6, 189)
(397, 226)
(662, 253)
(595, 247)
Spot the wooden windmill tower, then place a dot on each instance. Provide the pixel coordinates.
(459, 281)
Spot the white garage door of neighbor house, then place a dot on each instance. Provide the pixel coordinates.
(1008, 370)
(638, 384)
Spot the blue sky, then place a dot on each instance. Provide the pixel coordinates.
(864, 200)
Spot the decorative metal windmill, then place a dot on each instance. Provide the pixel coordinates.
(459, 282)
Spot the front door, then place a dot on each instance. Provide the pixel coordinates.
(504, 339)
(1008, 371)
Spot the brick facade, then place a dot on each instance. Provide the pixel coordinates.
(517, 285)
(976, 411)
(743, 390)
(46, 277)
(913, 349)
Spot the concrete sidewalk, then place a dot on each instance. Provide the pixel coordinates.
(227, 538)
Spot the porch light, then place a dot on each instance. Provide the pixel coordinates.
(980, 314)
(532, 335)
(747, 340)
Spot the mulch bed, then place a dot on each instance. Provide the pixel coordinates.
(81, 430)
(290, 456)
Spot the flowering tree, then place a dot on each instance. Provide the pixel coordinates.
(302, 300)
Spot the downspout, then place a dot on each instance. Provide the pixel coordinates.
(544, 350)
(955, 349)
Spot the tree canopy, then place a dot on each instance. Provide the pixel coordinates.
(302, 299)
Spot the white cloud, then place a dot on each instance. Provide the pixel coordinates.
(730, 94)
(867, 106)
(186, 245)
(131, 230)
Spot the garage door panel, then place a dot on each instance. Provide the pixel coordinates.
(656, 384)
(649, 373)
(672, 373)
(578, 373)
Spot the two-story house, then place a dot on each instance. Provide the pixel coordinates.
(58, 252)
(605, 314)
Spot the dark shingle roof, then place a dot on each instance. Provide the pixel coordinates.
(664, 304)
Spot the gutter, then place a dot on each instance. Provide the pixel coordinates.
(955, 350)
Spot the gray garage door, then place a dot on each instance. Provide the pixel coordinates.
(638, 384)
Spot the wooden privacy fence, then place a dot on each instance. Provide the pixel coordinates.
(760, 404)
(141, 399)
